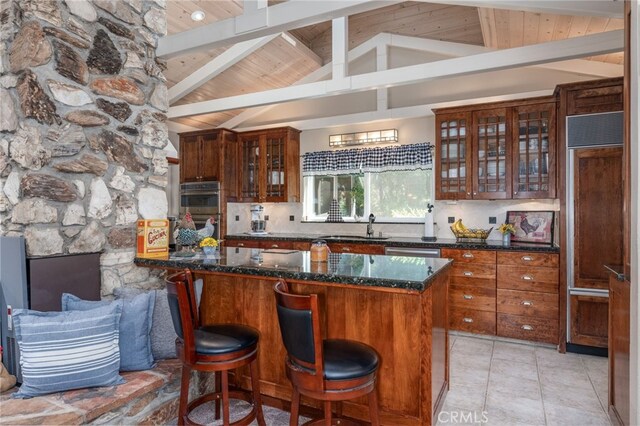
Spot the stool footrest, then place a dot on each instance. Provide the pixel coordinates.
(212, 396)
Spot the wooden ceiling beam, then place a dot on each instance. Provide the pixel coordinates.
(489, 61)
(260, 22)
(602, 8)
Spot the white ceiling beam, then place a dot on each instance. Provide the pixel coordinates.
(339, 47)
(179, 127)
(553, 51)
(601, 8)
(262, 22)
(382, 63)
(216, 66)
(416, 111)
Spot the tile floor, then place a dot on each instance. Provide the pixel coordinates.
(506, 383)
(500, 383)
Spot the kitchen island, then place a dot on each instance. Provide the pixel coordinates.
(398, 305)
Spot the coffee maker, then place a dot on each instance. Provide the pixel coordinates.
(258, 224)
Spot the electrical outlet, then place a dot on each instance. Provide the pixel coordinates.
(451, 219)
(266, 217)
(292, 218)
(492, 220)
(237, 218)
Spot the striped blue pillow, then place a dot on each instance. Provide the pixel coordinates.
(67, 350)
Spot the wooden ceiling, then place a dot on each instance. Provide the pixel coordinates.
(280, 64)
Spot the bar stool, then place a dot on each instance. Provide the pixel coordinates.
(327, 370)
(212, 348)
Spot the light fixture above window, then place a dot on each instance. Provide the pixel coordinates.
(362, 138)
(198, 15)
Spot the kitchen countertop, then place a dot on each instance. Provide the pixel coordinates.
(415, 242)
(408, 273)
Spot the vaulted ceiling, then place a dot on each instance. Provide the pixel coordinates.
(281, 61)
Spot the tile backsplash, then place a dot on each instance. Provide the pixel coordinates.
(474, 214)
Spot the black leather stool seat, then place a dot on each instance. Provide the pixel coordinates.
(223, 338)
(346, 359)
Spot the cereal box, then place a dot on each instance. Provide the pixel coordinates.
(153, 238)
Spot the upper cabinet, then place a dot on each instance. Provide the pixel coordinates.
(269, 165)
(496, 151)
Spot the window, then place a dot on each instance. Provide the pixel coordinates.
(393, 183)
(392, 196)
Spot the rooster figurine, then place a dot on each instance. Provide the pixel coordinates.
(186, 234)
(186, 222)
(209, 228)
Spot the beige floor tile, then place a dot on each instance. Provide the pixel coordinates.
(511, 351)
(514, 411)
(578, 379)
(602, 390)
(551, 357)
(509, 386)
(468, 377)
(470, 345)
(452, 415)
(470, 361)
(569, 396)
(469, 397)
(596, 365)
(559, 415)
(505, 368)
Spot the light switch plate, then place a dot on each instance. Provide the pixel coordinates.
(492, 220)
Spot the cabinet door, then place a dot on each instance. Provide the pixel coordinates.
(210, 157)
(453, 158)
(275, 153)
(534, 154)
(189, 159)
(589, 320)
(250, 167)
(491, 171)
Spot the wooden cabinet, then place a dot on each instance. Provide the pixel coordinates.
(496, 151)
(269, 165)
(527, 296)
(619, 348)
(209, 155)
(356, 248)
(472, 293)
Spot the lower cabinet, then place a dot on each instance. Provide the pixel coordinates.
(589, 320)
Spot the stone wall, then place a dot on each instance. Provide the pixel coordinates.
(82, 128)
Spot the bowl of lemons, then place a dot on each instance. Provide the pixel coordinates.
(462, 233)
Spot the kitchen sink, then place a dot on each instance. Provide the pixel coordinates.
(350, 237)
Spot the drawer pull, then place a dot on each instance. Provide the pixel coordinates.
(240, 244)
(467, 255)
(468, 296)
(274, 246)
(467, 273)
(346, 249)
(526, 258)
(527, 277)
(467, 319)
(527, 327)
(527, 303)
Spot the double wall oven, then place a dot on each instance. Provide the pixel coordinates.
(202, 200)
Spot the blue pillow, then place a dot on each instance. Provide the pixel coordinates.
(135, 327)
(61, 351)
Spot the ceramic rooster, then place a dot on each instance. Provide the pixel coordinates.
(209, 228)
(186, 234)
(186, 222)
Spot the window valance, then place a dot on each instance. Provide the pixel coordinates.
(351, 161)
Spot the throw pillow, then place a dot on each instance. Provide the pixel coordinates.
(61, 351)
(163, 336)
(135, 327)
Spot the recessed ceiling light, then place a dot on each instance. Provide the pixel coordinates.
(198, 15)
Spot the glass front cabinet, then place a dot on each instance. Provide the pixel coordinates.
(496, 151)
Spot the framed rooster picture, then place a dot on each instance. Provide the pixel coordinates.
(532, 226)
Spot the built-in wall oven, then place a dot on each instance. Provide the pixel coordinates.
(202, 200)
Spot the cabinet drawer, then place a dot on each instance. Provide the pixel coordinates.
(472, 271)
(243, 243)
(288, 245)
(472, 321)
(356, 248)
(469, 256)
(528, 328)
(528, 303)
(472, 297)
(528, 259)
(528, 279)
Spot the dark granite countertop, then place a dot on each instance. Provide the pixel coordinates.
(408, 273)
(405, 242)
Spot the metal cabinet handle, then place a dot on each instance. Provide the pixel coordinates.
(467, 319)
(240, 244)
(515, 192)
(468, 296)
(526, 303)
(475, 193)
(526, 258)
(527, 327)
(346, 249)
(467, 274)
(527, 277)
(467, 255)
(274, 246)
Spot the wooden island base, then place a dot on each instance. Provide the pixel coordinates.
(407, 328)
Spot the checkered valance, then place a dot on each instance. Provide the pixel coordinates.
(376, 160)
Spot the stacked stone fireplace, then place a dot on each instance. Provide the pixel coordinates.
(82, 128)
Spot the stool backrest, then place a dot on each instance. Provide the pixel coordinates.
(183, 307)
(299, 321)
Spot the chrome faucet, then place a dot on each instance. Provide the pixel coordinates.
(372, 219)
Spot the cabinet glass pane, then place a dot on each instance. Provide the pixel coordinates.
(275, 167)
(491, 153)
(251, 168)
(453, 156)
(533, 151)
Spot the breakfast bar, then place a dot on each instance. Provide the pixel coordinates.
(397, 305)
